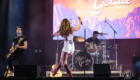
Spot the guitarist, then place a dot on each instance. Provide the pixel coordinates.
(19, 52)
(66, 31)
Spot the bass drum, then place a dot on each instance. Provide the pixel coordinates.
(78, 61)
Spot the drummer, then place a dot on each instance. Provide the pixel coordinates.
(96, 41)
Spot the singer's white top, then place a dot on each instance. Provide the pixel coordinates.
(69, 44)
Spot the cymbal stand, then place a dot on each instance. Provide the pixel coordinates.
(104, 52)
(97, 54)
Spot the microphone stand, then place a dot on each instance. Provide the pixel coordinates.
(114, 42)
(84, 50)
(57, 51)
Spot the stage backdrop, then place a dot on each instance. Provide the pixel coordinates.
(122, 15)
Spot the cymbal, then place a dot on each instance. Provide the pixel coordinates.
(103, 33)
(78, 39)
(103, 43)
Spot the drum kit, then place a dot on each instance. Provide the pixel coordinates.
(93, 56)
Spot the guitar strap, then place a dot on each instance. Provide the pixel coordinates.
(19, 39)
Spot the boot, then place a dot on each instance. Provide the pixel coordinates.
(58, 67)
(68, 70)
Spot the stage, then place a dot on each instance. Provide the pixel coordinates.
(87, 73)
(65, 78)
(111, 37)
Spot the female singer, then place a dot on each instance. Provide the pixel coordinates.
(66, 31)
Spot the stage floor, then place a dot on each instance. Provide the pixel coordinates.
(65, 78)
(87, 73)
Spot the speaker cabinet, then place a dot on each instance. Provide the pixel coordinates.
(26, 71)
(101, 70)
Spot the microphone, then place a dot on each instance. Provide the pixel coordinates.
(81, 21)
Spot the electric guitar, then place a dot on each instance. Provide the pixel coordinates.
(59, 73)
(8, 55)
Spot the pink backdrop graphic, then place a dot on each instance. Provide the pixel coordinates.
(124, 17)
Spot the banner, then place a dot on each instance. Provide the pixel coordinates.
(121, 15)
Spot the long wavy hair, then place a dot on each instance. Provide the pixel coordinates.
(65, 28)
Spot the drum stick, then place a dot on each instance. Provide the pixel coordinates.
(60, 42)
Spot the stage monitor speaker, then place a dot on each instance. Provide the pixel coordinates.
(26, 71)
(101, 70)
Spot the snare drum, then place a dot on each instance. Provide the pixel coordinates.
(91, 49)
(78, 61)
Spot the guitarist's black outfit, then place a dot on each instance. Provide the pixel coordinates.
(18, 54)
